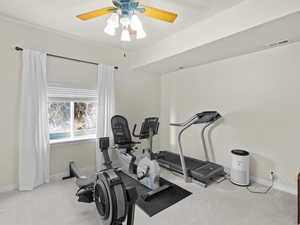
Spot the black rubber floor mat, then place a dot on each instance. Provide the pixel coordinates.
(160, 202)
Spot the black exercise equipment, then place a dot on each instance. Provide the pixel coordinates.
(205, 172)
(147, 170)
(121, 133)
(150, 124)
(149, 128)
(123, 140)
(114, 201)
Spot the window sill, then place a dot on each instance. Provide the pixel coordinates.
(72, 140)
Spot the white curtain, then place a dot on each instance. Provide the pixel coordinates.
(106, 107)
(34, 147)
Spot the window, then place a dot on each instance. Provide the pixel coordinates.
(59, 114)
(72, 114)
(84, 118)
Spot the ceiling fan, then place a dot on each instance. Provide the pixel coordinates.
(124, 13)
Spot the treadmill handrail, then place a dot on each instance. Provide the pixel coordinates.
(214, 115)
(182, 124)
(182, 160)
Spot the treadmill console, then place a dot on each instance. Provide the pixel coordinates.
(208, 116)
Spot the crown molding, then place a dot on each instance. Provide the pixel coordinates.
(11, 19)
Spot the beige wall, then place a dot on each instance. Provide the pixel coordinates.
(258, 96)
(137, 93)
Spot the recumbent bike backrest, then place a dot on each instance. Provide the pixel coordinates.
(121, 132)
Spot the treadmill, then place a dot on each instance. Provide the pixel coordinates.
(205, 172)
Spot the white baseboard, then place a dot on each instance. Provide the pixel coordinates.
(276, 186)
(268, 183)
(8, 188)
(54, 177)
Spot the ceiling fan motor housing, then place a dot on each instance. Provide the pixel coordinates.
(127, 7)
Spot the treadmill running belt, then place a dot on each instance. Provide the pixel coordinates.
(161, 201)
(172, 160)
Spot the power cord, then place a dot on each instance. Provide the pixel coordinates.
(227, 177)
(268, 188)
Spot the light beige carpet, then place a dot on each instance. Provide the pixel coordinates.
(219, 204)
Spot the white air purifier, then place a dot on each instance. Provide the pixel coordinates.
(240, 168)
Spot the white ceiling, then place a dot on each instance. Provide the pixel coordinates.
(60, 16)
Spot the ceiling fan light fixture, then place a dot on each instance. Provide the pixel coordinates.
(114, 19)
(110, 29)
(141, 34)
(125, 21)
(125, 35)
(135, 23)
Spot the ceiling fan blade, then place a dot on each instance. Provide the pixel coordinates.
(96, 13)
(158, 14)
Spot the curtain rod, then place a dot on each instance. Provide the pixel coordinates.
(63, 57)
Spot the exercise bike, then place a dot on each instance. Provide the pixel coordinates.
(146, 170)
(114, 202)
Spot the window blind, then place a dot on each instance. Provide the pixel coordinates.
(68, 92)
